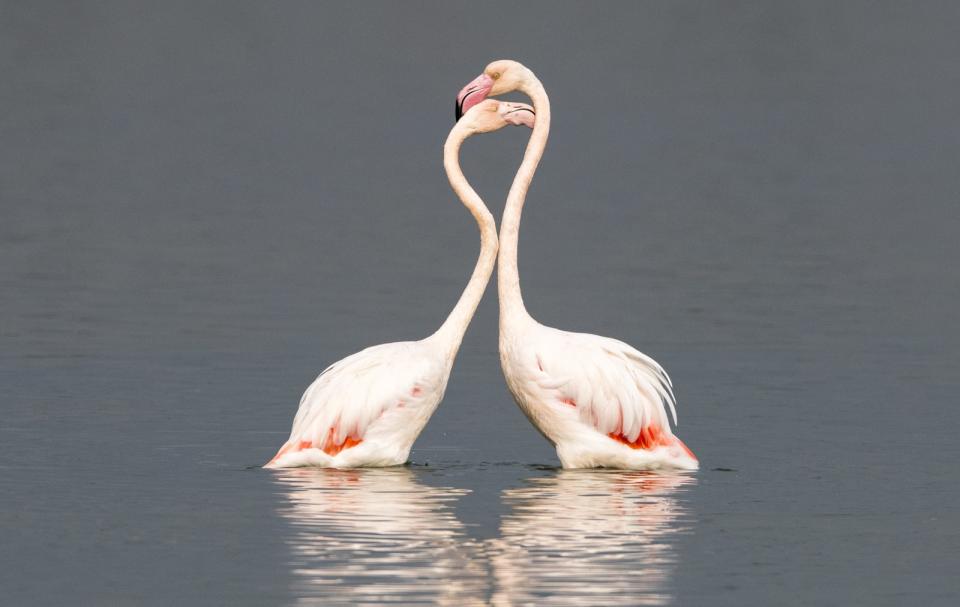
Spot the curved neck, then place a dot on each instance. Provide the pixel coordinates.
(450, 334)
(508, 275)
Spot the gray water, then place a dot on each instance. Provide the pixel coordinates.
(203, 205)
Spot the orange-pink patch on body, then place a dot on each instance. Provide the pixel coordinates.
(652, 437)
(291, 447)
(331, 448)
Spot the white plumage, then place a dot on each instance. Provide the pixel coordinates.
(376, 381)
(615, 387)
(369, 408)
(601, 402)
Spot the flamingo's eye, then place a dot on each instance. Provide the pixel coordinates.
(495, 75)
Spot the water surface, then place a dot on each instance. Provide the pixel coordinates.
(203, 205)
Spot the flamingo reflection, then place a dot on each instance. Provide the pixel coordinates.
(377, 536)
(589, 538)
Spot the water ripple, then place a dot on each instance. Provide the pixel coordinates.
(588, 538)
(374, 537)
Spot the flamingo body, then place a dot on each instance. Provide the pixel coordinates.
(601, 402)
(367, 409)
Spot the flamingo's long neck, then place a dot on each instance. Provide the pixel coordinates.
(508, 275)
(450, 334)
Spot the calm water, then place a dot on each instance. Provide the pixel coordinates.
(203, 205)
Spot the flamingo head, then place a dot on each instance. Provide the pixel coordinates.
(492, 115)
(497, 78)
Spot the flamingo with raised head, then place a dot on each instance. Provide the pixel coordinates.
(369, 408)
(601, 402)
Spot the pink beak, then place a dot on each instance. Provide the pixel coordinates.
(519, 114)
(473, 93)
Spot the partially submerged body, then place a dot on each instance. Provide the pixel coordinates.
(367, 409)
(370, 407)
(599, 401)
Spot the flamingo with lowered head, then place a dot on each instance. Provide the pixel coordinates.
(369, 408)
(601, 402)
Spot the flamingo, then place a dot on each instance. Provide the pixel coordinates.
(599, 401)
(369, 408)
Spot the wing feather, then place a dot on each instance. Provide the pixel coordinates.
(352, 393)
(616, 388)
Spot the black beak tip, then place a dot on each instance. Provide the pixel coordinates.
(458, 110)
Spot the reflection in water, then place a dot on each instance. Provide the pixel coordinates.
(373, 537)
(364, 537)
(588, 538)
